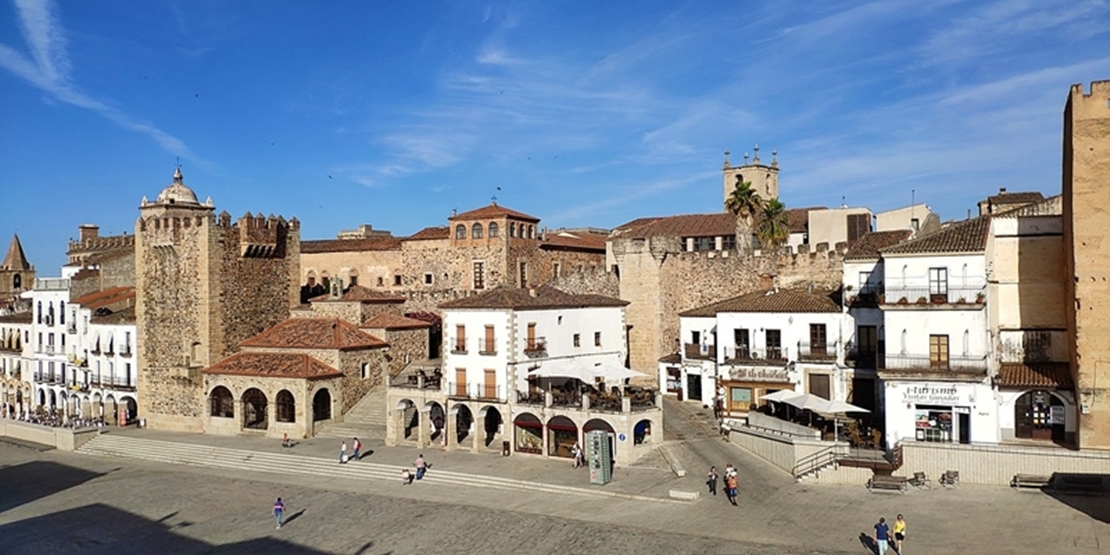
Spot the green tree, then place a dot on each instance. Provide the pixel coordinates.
(774, 225)
(744, 203)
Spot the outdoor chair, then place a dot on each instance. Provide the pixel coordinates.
(920, 480)
(950, 478)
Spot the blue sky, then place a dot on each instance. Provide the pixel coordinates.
(583, 113)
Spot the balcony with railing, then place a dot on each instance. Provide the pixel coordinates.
(536, 348)
(487, 347)
(920, 293)
(125, 351)
(458, 346)
(125, 383)
(742, 354)
(926, 364)
(632, 399)
(480, 391)
(816, 352)
(863, 357)
(700, 351)
(863, 298)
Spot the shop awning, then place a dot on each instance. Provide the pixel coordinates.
(1043, 375)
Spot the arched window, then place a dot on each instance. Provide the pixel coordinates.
(460, 231)
(493, 231)
(311, 280)
(221, 403)
(476, 231)
(62, 313)
(512, 229)
(531, 232)
(286, 407)
(17, 282)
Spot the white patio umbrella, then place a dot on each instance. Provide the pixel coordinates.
(609, 371)
(807, 401)
(781, 395)
(836, 409)
(566, 369)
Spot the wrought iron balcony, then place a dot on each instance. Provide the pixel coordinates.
(487, 347)
(474, 390)
(816, 352)
(536, 348)
(697, 351)
(742, 354)
(864, 358)
(965, 364)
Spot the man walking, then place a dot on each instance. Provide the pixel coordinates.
(279, 510)
(343, 453)
(882, 534)
(358, 448)
(711, 480)
(421, 467)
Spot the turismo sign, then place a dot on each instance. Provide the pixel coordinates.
(937, 394)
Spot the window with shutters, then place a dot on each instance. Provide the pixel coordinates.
(858, 226)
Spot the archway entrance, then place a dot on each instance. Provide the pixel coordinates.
(562, 434)
(1040, 415)
(254, 409)
(491, 424)
(321, 405)
(410, 417)
(464, 419)
(598, 424)
(528, 432)
(438, 420)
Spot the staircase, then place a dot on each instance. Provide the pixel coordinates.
(171, 452)
(365, 419)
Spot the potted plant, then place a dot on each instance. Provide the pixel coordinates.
(922, 300)
(881, 298)
(903, 300)
(961, 300)
(980, 297)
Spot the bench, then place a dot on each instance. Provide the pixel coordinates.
(950, 478)
(887, 483)
(1079, 483)
(1030, 481)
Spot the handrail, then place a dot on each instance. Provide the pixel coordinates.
(815, 461)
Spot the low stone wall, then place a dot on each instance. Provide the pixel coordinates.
(771, 424)
(64, 439)
(997, 464)
(780, 450)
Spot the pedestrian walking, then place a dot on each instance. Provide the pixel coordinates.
(899, 533)
(358, 450)
(882, 535)
(406, 477)
(576, 453)
(729, 470)
(731, 488)
(343, 453)
(279, 510)
(421, 467)
(711, 480)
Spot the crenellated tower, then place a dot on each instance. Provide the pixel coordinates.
(764, 178)
(203, 284)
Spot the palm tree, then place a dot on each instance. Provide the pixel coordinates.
(744, 203)
(774, 225)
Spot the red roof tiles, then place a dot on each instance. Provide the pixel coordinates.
(570, 241)
(350, 245)
(493, 211)
(785, 300)
(868, 246)
(705, 225)
(314, 333)
(273, 365)
(522, 299)
(964, 237)
(358, 293)
(1051, 375)
(430, 233)
(106, 297)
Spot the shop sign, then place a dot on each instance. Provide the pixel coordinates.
(1056, 415)
(937, 394)
(760, 374)
(621, 437)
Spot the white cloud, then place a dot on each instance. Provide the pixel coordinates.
(48, 68)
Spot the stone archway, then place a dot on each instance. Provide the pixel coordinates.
(463, 421)
(597, 424)
(321, 405)
(528, 433)
(437, 422)
(1034, 418)
(255, 407)
(408, 418)
(131, 408)
(492, 423)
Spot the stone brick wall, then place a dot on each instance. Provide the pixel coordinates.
(354, 385)
(405, 346)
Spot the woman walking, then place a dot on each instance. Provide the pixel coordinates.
(899, 533)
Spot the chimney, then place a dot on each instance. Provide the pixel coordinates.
(88, 231)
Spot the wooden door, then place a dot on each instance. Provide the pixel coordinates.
(491, 384)
(460, 382)
(819, 385)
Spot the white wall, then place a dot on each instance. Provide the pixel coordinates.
(901, 398)
(794, 327)
(908, 276)
(908, 329)
(475, 364)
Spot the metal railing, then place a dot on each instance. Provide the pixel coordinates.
(863, 358)
(926, 363)
(743, 354)
(474, 390)
(536, 348)
(816, 351)
(699, 351)
(487, 347)
(974, 294)
(458, 347)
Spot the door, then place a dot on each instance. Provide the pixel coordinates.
(460, 382)
(491, 384)
(819, 385)
(693, 387)
(964, 422)
(867, 345)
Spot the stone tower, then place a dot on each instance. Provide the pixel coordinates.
(764, 179)
(16, 275)
(1086, 175)
(203, 284)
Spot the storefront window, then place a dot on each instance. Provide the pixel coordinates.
(674, 380)
(562, 434)
(739, 398)
(529, 435)
(933, 424)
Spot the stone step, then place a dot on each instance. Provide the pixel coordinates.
(111, 445)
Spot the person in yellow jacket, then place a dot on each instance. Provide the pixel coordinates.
(899, 533)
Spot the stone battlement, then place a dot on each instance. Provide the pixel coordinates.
(101, 243)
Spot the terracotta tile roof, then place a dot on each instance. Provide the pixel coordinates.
(493, 211)
(18, 318)
(1054, 375)
(122, 316)
(15, 260)
(358, 293)
(350, 245)
(394, 322)
(314, 333)
(785, 300)
(522, 299)
(104, 298)
(963, 237)
(671, 359)
(1016, 198)
(429, 233)
(868, 246)
(1051, 206)
(273, 365)
(707, 225)
(570, 241)
(636, 223)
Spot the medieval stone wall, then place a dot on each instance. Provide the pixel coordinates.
(355, 386)
(405, 346)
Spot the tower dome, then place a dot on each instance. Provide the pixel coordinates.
(177, 192)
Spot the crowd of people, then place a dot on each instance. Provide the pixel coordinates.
(56, 419)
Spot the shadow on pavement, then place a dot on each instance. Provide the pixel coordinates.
(104, 529)
(1086, 493)
(869, 543)
(27, 482)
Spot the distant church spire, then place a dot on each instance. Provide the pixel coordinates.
(15, 260)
